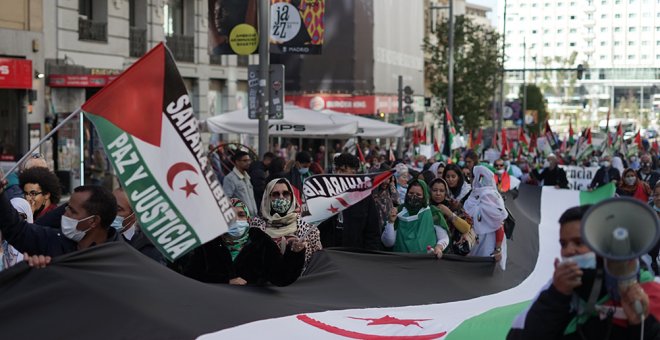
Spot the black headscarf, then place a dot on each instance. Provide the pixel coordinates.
(433, 182)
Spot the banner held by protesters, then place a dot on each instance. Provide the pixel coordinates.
(146, 122)
(327, 195)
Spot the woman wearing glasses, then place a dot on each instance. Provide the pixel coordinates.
(280, 219)
(41, 189)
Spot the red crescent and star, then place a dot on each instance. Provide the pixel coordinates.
(177, 168)
(386, 320)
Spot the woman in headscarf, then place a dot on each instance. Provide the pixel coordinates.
(486, 207)
(281, 218)
(459, 189)
(631, 186)
(244, 255)
(459, 222)
(416, 227)
(617, 163)
(438, 169)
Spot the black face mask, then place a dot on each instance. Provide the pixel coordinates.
(415, 203)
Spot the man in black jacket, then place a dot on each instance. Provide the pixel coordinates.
(126, 224)
(258, 175)
(646, 172)
(605, 174)
(85, 223)
(357, 226)
(552, 175)
(554, 314)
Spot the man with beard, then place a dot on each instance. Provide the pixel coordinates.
(646, 172)
(566, 307)
(551, 175)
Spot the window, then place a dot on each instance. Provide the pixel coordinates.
(631, 43)
(173, 17)
(632, 29)
(547, 17)
(657, 43)
(508, 46)
(546, 31)
(509, 32)
(644, 57)
(534, 4)
(546, 45)
(92, 20)
(631, 15)
(657, 56)
(559, 4)
(602, 57)
(645, 43)
(657, 15)
(646, 15)
(560, 31)
(559, 17)
(617, 57)
(572, 3)
(572, 30)
(603, 16)
(533, 45)
(591, 43)
(645, 29)
(590, 16)
(572, 17)
(617, 16)
(603, 29)
(533, 31)
(617, 2)
(617, 43)
(630, 2)
(631, 56)
(657, 28)
(617, 29)
(547, 4)
(603, 2)
(590, 30)
(533, 18)
(559, 44)
(571, 44)
(603, 43)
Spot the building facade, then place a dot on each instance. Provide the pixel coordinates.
(81, 45)
(617, 41)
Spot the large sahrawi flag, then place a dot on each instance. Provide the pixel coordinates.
(146, 122)
(327, 195)
(343, 295)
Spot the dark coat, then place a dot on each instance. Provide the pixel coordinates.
(552, 177)
(550, 314)
(33, 238)
(651, 178)
(141, 243)
(258, 177)
(359, 228)
(259, 262)
(599, 177)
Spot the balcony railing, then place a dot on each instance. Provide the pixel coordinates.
(91, 30)
(182, 46)
(137, 38)
(215, 59)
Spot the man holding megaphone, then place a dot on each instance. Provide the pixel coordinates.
(598, 290)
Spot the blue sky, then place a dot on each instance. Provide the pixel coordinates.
(490, 3)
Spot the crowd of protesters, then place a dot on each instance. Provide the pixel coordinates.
(436, 205)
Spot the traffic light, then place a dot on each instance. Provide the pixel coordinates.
(580, 71)
(408, 100)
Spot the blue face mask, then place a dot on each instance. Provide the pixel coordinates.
(118, 222)
(238, 228)
(584, 261)
(303, 171)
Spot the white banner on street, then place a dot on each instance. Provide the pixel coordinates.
(579, 177)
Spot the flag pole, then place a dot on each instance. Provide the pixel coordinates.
(43, 140)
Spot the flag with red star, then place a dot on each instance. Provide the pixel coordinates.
(147, 125)
(327, 195)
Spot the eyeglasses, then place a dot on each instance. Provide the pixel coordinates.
(32, 193)
(278, 194)
(499, 165)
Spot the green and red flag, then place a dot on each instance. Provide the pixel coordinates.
(571, 141)
(451, 133)
(550, 136)
(655, 147)
(147, 125)
(638, 140)
(505, 144)
(479, 144)
(532, 144)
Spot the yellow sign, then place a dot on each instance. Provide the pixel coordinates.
(243, 39)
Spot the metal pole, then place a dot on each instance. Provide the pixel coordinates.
(264, 74)
(450, 74)
(43, 140)
(641, 99)
(524, 108)
(499, 121)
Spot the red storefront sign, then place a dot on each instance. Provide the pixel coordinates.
(83, 80)
(15, 73)
(360, 105)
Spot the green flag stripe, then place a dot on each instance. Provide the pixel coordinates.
(159, 217)
(493, 324)
(593, 197)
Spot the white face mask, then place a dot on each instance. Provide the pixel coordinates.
(584, 261)
(69, 228)
(605, 164)
(129, 232)
(238, 228)
(630, 180)
(500, 171)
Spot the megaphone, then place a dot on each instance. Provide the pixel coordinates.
(620, 230)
